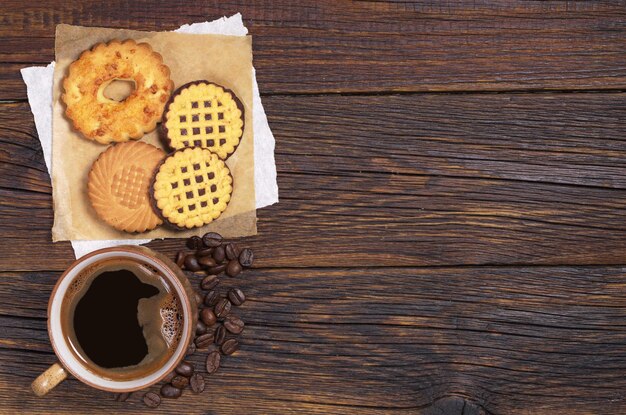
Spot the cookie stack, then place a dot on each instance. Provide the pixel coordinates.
(134, 186)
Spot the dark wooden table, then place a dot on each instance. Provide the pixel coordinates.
(451, 236)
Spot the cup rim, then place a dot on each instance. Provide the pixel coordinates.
(179, 354)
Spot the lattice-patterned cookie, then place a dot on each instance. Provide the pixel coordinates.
(191, 188)
(203, 114)
(118, 186)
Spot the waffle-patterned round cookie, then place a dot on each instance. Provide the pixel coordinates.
(105, 120)
(118, 186)
(191, 187)
(203, 114)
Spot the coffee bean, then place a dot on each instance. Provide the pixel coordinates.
(122, 397)
(200, 327)
(169, 377)
(180, 258)
(208, 317)
(232, 251)
(205, 340)
(211, 298)
(197, 383)
(185, 368)
(222, 308)
(180, 382)
(203, 252)
(246, 257)
(209, 282)
(191, 263)
(190, 350)
(151, 400)
(233, 324)
(220, 335)
(213, 362)
(236, 296)
(216, 270)
(207, 262)
(170, 392)
(212, 239)
(194, 242)
(198, 298)
(219, 254)
(230, 346)
(234, 268)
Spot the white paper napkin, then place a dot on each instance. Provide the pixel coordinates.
(38, 81)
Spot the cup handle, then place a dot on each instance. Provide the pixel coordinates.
(49, 379)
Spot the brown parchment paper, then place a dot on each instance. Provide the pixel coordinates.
(226, 60)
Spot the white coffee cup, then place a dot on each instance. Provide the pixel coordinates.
(69, 363)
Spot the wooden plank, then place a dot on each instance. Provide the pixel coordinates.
(471, 179)
(378, 340)
(345, 46)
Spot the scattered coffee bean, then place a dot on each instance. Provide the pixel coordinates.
(122, 397)
(190, 350)
(184, 368)
(216, 270)
(232, 250)
(200, 326)
(180, 382)
(170, 392)
(219, 254)
(198, 298)
(205, 340)
(236, 296)
(220, 335)
(213, 362)
(169, 377)
(207, 262)
(194, 242)
(209, 282)
(208, 317)
(246, 257)
(180, 258)
(197, 383)
(211, 298)
(233, 324)
(212, 239)
(151, 400)
(191, 263)
(222, 308)
(230, 346)
(234, 268)
(203, 252)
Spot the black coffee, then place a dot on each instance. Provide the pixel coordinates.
(122, 319)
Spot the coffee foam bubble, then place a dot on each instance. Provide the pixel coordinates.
(172, 316)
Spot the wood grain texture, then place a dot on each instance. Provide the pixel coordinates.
(401, 180)
(386, 340)
(349, 46)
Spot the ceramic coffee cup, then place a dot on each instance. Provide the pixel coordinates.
(70, 361)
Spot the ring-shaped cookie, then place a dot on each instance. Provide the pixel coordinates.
(105, 120)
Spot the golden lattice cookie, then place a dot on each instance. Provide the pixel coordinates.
(105, 120)
(203, 114)
(191, 188)
(118, 186)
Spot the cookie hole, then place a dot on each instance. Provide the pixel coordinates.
(180, 210)
(196, 166)
(199, 179)
(210, 143)
(201, 192)
(183, 169)
(203, 203)
(183, 118)
(189, 195)
(195, 118)
(192, 207)
(197, 143)
(207, 117)
(208, 130)
(194, 104)
(220, 116)
(207, 104)
(216, 200)
(119, 89)
(222, 129)
(187, 182)
(222, 141)
(211, 175)
(213, 188)
(183, 131)
(196, 131)
(174, 185)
